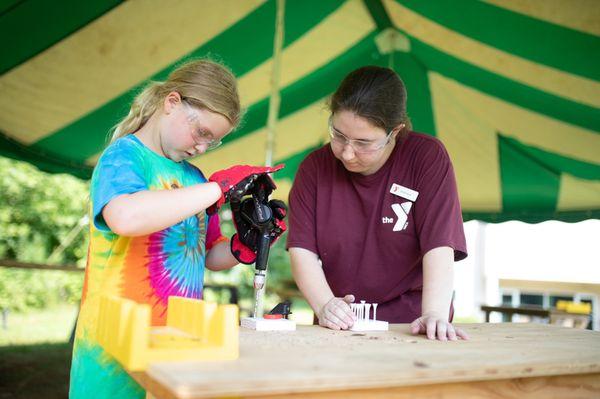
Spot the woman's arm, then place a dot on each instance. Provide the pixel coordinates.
(148, 211)
(438, 282)
(219, 257)
(334, 313)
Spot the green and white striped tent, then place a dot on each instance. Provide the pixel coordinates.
(512, 87)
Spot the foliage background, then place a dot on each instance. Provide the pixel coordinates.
(37, 211)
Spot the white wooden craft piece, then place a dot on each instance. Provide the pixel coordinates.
(262, 324)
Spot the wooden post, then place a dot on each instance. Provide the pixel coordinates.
(24, 265)
(275, 99)
(4, 319)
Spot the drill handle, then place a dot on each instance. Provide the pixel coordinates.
(262, 252)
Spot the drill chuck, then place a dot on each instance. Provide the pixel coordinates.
(259, 279)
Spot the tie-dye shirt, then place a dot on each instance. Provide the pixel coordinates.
(147, 269)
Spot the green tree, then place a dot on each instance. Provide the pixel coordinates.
(37, 212)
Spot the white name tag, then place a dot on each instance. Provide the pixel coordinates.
(404, 192)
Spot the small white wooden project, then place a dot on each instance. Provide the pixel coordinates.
(262, 324)
(363, 319)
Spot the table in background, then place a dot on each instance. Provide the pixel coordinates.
(554, 316)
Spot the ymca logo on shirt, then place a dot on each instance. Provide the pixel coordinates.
(401, 211)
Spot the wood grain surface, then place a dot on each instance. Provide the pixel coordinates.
(499, 359)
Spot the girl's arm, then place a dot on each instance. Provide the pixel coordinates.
(438, 282)
(148, 211)
(332, 312)
(220, 258)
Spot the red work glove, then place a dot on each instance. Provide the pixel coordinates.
(244, 243)
(236, 181)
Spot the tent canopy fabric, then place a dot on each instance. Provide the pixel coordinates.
(511, 87)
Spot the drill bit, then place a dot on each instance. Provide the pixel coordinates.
(259, 285)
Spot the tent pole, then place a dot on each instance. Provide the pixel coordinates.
(274, 99)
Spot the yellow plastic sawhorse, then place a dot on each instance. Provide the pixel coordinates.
(195, 330)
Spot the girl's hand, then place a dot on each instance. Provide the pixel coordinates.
(437, 326)
(246, 240)
(236, 181)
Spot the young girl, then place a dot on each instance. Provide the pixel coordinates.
(150, 236)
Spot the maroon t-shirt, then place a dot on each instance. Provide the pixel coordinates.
(372, 241)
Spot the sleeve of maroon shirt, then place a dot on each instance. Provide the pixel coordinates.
(302, 204)
(437, 213)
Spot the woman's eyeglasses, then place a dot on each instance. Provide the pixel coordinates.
(359, 146)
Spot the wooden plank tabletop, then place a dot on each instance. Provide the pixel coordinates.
(315, 359)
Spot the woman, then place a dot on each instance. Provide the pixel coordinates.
(375, 215)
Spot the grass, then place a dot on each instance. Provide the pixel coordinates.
(35, 355)
(35, 371)
(46, 326)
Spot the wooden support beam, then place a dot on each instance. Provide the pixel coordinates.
(25, 265)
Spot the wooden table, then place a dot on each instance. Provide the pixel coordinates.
(537, 311)
(553, 315)
(500, 360)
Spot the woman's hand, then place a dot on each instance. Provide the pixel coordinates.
(336, 314)
(437, 326)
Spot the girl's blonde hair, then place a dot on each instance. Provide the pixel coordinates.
(204, 84)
